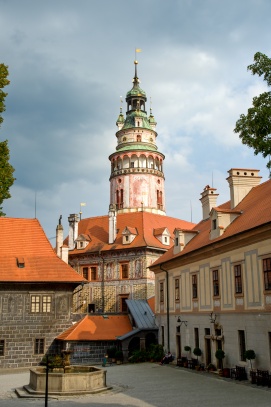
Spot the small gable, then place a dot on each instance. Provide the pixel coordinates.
(128, 235)
(82, 241)
(220, 220)
(163, 235)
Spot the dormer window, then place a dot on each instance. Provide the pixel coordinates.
(214, 224)
(128, 235)
(163, 235)
(20, 262)
(82, 241)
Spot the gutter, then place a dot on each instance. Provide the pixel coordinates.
(168, 342)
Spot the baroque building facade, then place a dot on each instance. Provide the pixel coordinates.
(36, 290)
(213, 287)
(114, 252)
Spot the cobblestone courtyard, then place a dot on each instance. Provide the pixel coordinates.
(148, 385)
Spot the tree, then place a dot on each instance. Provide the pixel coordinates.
(6, 169)
(255, 128)
(250, 355)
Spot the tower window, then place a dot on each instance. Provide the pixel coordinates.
(194, 286)
(124, 270)
(85, 272)
(238, 279)
(93, 272)
(39, 346)
(138, 137)
(215, 283)
(161, 292)
(267, 273)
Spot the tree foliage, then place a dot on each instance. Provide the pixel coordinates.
(6, 169)
(255, 128)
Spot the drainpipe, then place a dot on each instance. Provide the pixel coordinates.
(168, 343)
(102, 283)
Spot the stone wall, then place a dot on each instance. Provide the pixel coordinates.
(93, 352)
(19, 328)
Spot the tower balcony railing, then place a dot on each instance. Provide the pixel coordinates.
(137, 170)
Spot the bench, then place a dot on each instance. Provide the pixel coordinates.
(238, 373)
(192, 363)
(181, 361)
(260, 377)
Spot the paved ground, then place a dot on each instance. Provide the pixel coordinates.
(148, 385)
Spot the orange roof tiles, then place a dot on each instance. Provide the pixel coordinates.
(98, 328)
(144, 222)
(254, 209)
(24, 241)
(151, 302)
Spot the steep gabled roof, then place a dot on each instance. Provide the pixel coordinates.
(143, 222)
(254, 209)
(142, 314)
(26, 254)
(98, 328)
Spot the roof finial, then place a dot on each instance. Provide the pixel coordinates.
(121, 101)
(136, 62)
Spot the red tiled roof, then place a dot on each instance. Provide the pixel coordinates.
(159, 231)
(151, 302)
(98, 328)
(144, 222)
(25, 239)
(254, 209)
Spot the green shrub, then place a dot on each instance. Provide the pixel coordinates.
(119, 355)
(139, 356)
(111, 352)
(54, 361)
(250, 355)
(197, 352)
(155, 352)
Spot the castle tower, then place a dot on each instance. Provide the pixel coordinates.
(137, 178)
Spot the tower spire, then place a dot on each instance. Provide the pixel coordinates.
(137, 165)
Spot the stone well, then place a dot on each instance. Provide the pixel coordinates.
(75, 380)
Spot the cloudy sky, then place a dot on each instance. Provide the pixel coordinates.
(71, 60)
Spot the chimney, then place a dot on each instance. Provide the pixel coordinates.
(59, 237)
(112, 218)
(241, 181)
(65, 254)
(208, 201)
(73, 220)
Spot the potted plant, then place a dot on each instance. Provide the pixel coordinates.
(197, 352)
(119, 356)
(211, 367)
(220, 354)
(187, 349)
(111, 353)
(250, 355)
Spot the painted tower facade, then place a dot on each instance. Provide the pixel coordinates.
(137, 178)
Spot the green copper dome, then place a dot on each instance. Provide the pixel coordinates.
(130, 120)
